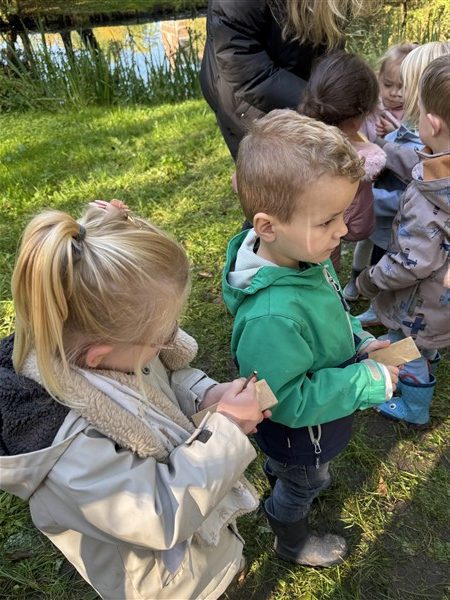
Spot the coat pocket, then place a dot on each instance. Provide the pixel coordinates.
(247, 113)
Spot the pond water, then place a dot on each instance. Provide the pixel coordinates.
(154, 41)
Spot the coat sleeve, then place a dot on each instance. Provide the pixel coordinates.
(417, 253)
(401, 159)
(120, 496)
(305, 398)
(386, 202)
(239, 31)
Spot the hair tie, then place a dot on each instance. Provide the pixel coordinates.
(80, 235)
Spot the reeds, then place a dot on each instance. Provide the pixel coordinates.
(40, 78)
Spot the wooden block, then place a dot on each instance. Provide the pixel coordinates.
(266, 397)
(264, 394)
(397, 353)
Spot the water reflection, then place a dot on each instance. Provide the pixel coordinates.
(136, 44)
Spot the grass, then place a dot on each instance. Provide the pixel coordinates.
(390, 497)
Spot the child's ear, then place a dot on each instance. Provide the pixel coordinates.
(96, 353)
(263, 224)
(436, 124)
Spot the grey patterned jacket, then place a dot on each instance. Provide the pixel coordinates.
(411, 283)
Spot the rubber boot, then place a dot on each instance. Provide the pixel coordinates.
(295, 543)
(412, 405)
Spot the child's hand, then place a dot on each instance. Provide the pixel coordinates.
(375, 345)
(384, 126)
(393, 372)
(214, 394)
(241, 405)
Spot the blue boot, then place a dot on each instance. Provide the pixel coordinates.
(412, 405)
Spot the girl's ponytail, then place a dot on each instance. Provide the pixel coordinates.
(110, 278)
(42, 283)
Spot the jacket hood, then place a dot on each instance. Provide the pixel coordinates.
(432, 178)
(245, 273)
(22, 474)
(29, 424)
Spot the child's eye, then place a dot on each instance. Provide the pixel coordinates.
(327, 223)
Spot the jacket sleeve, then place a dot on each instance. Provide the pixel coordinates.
(418, 254)
(120, 496)
(305, 398)
(401, 159)
(386, 202)
(239, 31)
(190, 386)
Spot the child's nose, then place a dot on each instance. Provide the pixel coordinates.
(341, 231)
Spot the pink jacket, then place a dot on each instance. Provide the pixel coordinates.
(359, 216)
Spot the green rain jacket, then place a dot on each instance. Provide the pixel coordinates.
(293, 326)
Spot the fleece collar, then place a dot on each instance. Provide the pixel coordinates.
(435, 166)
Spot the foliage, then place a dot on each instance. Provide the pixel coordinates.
(24, 8)
(418, 21)
(53, 79)
(42, 76)
(390, 497)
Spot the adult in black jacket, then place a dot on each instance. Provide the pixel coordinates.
(258, 55)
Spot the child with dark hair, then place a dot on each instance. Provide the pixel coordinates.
(342, 91)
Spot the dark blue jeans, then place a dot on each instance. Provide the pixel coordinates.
(295, 489)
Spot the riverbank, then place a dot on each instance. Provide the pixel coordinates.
(54, 15)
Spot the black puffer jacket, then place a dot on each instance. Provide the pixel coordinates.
(247, 68)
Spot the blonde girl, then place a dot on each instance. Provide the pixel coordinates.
(138, 499)
(389, 113)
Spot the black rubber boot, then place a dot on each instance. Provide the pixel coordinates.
(296, 544)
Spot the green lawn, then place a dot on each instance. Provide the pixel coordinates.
(390, 497)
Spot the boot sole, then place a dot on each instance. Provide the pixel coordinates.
(307, 564)
(419, 426)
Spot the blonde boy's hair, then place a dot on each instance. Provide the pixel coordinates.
(412, 68)
(282, 154)
(435, 88)
(116, 280)
(319, 21)
(395, 53)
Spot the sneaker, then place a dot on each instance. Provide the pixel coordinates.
(369, 318)
(350, 291)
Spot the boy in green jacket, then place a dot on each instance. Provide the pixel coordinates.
(296, 177)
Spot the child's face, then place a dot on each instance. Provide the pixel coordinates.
(391, 91)
(316, 227)
(125, 357)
